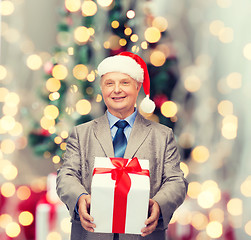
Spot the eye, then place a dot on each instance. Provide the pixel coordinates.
(125, 82)
(109, 83)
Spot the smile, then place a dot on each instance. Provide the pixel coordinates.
(118, 98)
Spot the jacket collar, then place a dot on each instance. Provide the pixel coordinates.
(141, 129)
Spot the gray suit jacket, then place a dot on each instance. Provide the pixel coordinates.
(148, 140)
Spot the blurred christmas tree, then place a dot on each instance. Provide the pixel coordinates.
(88, 32)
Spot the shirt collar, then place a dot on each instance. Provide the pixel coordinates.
(112, 119)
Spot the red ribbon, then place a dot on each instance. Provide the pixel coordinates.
(122, 187)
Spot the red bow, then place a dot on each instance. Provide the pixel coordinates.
(122, 187)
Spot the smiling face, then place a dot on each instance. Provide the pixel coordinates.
(120, 93)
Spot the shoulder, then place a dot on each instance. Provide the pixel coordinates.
(92, 124)
(158, 127)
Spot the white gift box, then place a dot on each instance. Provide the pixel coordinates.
(104, 200)
(60, 225)
(52, 217)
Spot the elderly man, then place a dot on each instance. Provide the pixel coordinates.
(121, 79)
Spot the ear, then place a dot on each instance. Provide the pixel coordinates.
(139, 84)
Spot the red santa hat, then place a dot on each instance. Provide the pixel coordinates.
(133, 65)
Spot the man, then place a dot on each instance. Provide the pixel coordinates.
(121, 79)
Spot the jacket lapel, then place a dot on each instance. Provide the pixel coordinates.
(103, 134)
(141, 129)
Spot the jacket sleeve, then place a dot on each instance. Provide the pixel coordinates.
(69, 185)
(174, 186)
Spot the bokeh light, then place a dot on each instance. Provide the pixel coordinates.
(10, 110)
(51, 112)
(215, 27)
(66, 225)
(23, 192)
(54, 236)
(194, 189)
(169, 109)
(152, 34)
(5, 219)
(3, 93)
(12, 99)
(34, 62)
(235, 206)
(56, 159)
(25, 218)
(214, 229)
(10, 172)
(229, 127)
(54, 96)
(226, 35)
(3, 72)
(8, 189)
(59, 71)
(130, 14)
(64, 134)
(8, 146)
(13, 229)
(89, 8)
(134, 37)
(72, 5)
(115, 24)
(47, 123)
(248, 228)
(200, 154)
(53, 84)
(80, 71)
(192, 83)
(7, 122)
(199, 221)
(6, 7)
(234, 80)
(216, 214)
(83, 107)
(157, 58)
(128, 31)
(104, 3)
(81, 34)
(160, 23)
(247, 51)
(184, 169)
(225, 108)
(144, 45)
(246, 187)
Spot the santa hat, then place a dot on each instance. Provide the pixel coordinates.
(134, 66)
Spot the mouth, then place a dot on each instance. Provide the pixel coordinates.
(118, 98)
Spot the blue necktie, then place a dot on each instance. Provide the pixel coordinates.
(119, 141)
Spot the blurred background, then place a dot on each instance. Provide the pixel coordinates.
(199, 59)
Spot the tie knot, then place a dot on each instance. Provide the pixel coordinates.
(121, 124)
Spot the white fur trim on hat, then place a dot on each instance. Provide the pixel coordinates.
(123, 64)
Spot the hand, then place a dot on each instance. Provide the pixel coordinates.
(152, 222)
(86, 219)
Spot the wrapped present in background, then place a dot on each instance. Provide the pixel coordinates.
(52, 217)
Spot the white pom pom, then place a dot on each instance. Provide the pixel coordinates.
(147, 105)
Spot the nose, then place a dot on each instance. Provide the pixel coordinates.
(117, 88)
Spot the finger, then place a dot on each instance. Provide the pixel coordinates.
(87, 225)
(87, 216)
(152, 218)
(149, 229)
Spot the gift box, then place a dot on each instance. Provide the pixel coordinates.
(52, 217)
(120, 195)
